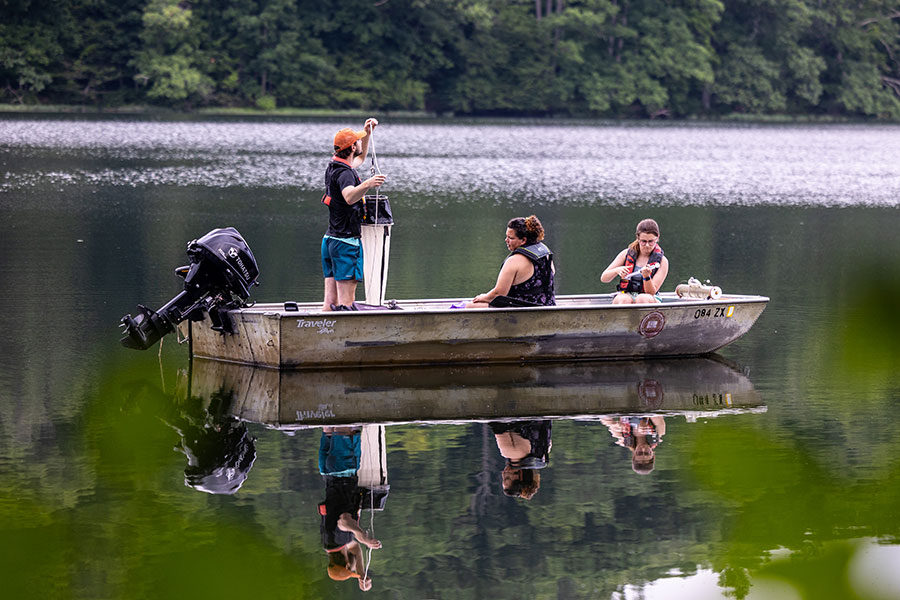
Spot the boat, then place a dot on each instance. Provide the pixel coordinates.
(432, 332)
(212, 311)
(300, 399)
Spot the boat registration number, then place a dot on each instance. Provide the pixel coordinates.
(712, 399)
(714, 311)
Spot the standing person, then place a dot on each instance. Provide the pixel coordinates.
(342, 536)
(342, 254)
(642, 256)
(526, 277)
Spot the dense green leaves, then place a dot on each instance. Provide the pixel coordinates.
(639, 58)
(168, 62)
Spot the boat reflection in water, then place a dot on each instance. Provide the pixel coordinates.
(354, 408)
(585, 390)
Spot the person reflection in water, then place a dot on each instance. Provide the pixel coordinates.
(526, 447)
(342, 537)
(641, 435)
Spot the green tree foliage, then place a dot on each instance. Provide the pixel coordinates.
(98, 50)
(638, 58)
(168, 62)
(30, 33)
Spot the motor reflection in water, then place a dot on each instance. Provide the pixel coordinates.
(517, 405)
(219, 448)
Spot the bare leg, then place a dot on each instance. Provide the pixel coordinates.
(331, 293)
(346, 292)
(645, 299)
(622, 299)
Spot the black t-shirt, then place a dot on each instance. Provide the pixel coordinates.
(343, 219)
(342, 495)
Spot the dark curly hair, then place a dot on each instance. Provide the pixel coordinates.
(527, 228)
(525, 486)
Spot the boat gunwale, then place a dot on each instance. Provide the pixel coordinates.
(580, 417)
(420, 306)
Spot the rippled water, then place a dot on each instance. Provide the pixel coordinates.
(774, 478)
(839, 165)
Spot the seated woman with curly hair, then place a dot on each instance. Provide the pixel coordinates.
(526, 277)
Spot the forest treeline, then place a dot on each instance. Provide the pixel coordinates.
(609, 58)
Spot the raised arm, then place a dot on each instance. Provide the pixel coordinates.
(354, 193)
(368, 128)
(348, 523)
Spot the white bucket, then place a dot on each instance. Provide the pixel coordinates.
(372, 474)
(376, 243)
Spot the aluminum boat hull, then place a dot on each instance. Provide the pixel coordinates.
(429, 332)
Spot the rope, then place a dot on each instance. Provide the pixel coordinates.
(162, 375)
(375, 167)
(184, 339)
(375, 170)
(371, 531)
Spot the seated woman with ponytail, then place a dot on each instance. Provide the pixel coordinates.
(641, 267)
(526, 278)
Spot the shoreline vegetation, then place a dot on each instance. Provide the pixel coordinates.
(647, 60)
(159, 112)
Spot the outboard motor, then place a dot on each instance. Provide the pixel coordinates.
(218, 279)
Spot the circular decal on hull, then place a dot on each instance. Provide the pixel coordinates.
(650, 392)
(652, 324)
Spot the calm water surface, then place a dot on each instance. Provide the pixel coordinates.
(775, 463)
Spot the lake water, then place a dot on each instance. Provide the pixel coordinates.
(776, 462)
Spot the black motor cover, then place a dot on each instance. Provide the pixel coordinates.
(238, 265)
(219, 278)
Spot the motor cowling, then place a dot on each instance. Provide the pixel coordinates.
(219, 278)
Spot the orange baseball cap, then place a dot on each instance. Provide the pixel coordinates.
(340, 573)
(346, 137)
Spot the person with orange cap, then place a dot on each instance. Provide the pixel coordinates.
(342, 253)
(342, 536)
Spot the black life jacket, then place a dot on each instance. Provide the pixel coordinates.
(655, 257)
(535, 251)
(539, 288)
(535, 432)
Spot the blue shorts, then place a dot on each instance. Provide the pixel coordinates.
(341, 260)
(339, 454)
